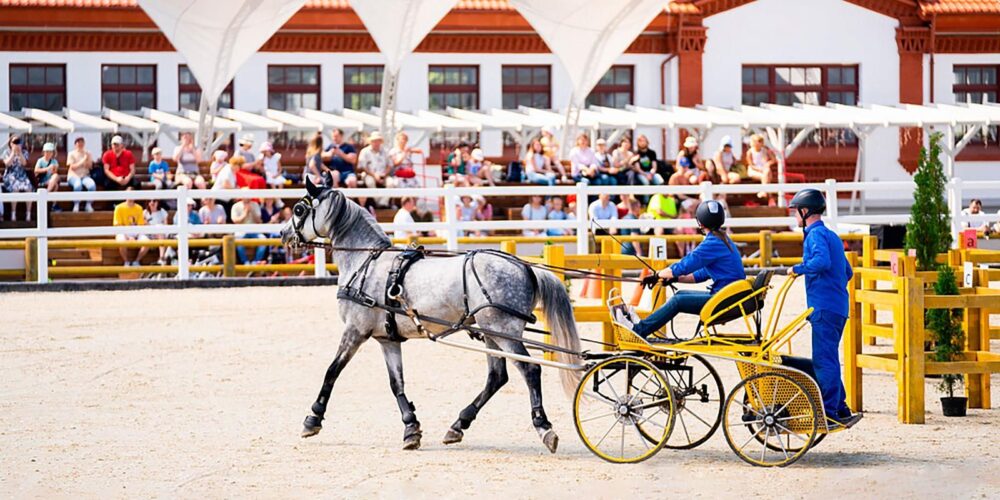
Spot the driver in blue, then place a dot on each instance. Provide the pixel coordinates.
(716, 258)
(827, 272)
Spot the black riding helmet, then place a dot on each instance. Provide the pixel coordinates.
(711, 215)
(807, 203)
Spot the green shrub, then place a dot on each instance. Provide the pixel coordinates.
(946, 326)
(929, 229)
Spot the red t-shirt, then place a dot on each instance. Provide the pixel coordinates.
(119, 165)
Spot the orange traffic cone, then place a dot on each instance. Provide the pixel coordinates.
(637, 293)
(591, 289)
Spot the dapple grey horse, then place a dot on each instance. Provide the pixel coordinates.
(434, 287)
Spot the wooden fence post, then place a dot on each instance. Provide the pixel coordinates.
(977, 386)
(30, 260)
(852, 342)
(608, 248)
(553, 255)
(510, 246)
(765, 248)
(229, 256)
(868, 315)
(911, 307)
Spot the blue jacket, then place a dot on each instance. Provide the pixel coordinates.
(712, 259)
(826, 270)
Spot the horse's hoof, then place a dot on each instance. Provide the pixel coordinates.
(411, 437)
(453, 436)
(551, 440)
(311, 426)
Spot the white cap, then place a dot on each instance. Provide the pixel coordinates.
(477, 154)
(601, 140)
(374, 136)
(191, 201)
(156, 151)
(48, 146)
(117, 140)
(690, 142)
(246, 139)
(726, 141)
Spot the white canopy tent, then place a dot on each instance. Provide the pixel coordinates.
(331, 121)
(252, 121)
(292, 122)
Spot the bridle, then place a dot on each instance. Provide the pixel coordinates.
(302, 209)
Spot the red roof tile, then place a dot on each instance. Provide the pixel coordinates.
(684, 6)
(959, 7)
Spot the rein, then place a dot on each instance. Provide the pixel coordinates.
(573, 273)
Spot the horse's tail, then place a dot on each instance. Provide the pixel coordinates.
(560, 321)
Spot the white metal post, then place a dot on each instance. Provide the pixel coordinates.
(451, 216)
(582, 222)
(781, 165)
(319, 262)
(42, 214)
(706, 191)
(183, 233)
(954, 206)
(832, 210)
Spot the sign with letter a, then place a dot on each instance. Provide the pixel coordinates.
(969, 239)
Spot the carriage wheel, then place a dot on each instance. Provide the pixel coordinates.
(615, 401)
(774, 408)
(698, 396)
(788, 445)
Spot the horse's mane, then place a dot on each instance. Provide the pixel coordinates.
(356, 227)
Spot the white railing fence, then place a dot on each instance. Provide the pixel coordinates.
(452, 228)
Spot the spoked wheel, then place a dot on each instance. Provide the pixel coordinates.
(698, 396)
(788, 445)
(624, 409)
(775, 410)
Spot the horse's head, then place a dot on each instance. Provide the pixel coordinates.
(314, 216)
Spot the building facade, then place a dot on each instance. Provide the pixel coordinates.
(87, 55)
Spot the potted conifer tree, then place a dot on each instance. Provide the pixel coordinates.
(929, 231)
(946, 328)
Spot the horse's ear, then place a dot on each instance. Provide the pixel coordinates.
(312, 189)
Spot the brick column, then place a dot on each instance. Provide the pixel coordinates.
(690, 49)
(913, 43)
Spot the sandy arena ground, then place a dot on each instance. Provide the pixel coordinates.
(201, 393)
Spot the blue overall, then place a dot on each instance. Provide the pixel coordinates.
(827, 272)
(712, 259)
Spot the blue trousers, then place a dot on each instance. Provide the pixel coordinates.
(684, 301)
(259, 254)
(827, 328)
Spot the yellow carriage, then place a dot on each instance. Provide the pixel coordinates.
(651, 395)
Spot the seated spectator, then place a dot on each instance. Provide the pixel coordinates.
(130, 213)
(480, 169)
(643, 165)
(247, 211)
(15, 174)
(725, 160)
(688, 162)
(583, 162)
(538, 167)
(550, 146)
(274, 174)
(759, 160)
(315, 170)
(193, 216)
(218, 163)
(662, 207)
(484, 211)
(607, 173)
(558, 212)
(634, 212)
(119, 166)
(374, 163)
(79, 162)
(156, 216)
(187, 157)
(457, 165)
(159, 171)
(245, 149)
(270, 210)
(621, 158)
(283, 253)
(688, 209)
(534, 210)
(246, 177)
(571, 206)
(467, 210)
(401, 156)
(226, 176)
(404, 216)
(211, 213)
(47, 170)
(339, 159)
(975, 208)
(602, 209)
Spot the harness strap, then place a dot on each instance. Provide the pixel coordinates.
(394, 290)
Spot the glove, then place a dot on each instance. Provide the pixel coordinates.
(650, 281)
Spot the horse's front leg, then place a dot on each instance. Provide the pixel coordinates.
(495, 379)
(394, 363)
(349, 343)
